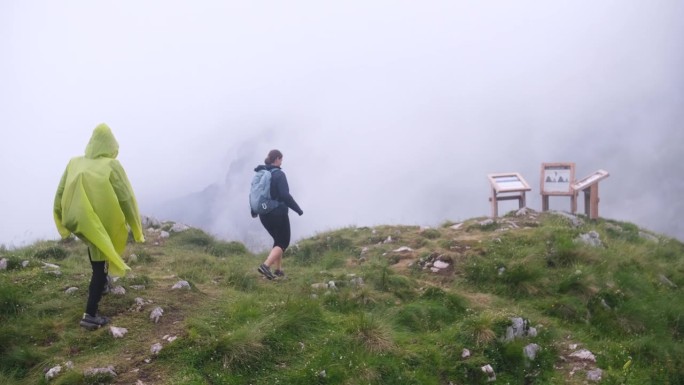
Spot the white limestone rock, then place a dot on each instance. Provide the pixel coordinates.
(489, 371)
(156, 313)
(118, 290)
(595, 375)
(71, 290)
(156, 348)
(92, 372)
(181, 285)
(118, 332)
(583, 355)
(178, 228)
(403, 249)
(53, 372)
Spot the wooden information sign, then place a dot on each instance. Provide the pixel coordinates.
(556, 180)
(505, 184)
(589, 185)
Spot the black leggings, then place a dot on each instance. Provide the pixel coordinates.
(278, 226)
(97, 284)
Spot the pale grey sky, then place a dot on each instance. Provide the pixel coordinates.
(388, 112)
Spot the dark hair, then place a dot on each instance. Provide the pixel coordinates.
(272, 156)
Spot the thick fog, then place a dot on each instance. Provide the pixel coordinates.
(387, 112)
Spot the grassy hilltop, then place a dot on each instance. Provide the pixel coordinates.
(389, 319)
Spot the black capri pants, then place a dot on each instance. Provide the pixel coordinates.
(277, 223)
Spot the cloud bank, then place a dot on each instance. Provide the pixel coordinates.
(387, 112)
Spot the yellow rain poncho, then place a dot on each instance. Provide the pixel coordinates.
(95, 201)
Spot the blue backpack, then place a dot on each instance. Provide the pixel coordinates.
(260, 193)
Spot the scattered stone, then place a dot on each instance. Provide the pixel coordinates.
(170, 338)
(156, 348)
(118, 332)
(139, 304)
(595, 375)
(50, 265)
(331, 285)
(319, 286)
(138, 287)
(456, 226)
(71, 290)
(648, 237)
(25, 264)
(489, 371)
(663, 279)
(156, 313)
(132, 258)
(178, 228)
(3, 264)
(322, 374)
(575, 221)
(164, 234)
(522, 212)
(583, 355)
(403, 249)
(53, 372)
(150, 222)
(54, 272)
(531, 351)
(92, 372)
(118, 290)
(181, 285)
(356, 281)
(605, 304)
(465, 353)
(69, 365)
(486, 222)
(388, 240)
(591, 239)
(519, 328)
(437, 263)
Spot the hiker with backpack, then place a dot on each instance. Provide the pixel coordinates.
(270, 199)
(95, 202)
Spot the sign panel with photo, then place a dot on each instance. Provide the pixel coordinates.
(590, 180)
(556, 178)
(508, 182)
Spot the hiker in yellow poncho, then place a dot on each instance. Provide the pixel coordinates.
(95, 201)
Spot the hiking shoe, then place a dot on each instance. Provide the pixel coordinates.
(266, 271)
(279, 273)
(91, 323)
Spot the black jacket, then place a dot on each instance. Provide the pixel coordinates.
(280, 190)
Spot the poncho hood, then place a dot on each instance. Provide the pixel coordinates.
(102, 144)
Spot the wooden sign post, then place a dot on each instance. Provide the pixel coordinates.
(555, 181)
(589, 185)
(503, 185)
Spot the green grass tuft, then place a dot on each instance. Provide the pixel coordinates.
(54, 253)
(386, 321)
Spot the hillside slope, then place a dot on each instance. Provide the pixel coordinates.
(538, 298)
